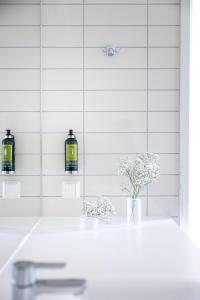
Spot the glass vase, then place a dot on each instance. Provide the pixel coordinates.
(89, 223)
(134, 210)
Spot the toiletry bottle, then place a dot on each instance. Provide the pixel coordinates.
(71, 154)
(8, 154)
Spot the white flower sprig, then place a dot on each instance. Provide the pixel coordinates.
(140, 172)
(101, 208)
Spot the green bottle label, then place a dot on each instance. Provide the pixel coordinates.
(7, 152)
(71, 152)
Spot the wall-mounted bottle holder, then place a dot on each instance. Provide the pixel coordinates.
(11, 189)
(70, 189)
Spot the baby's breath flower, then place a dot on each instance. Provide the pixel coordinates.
(101, 208)
(140, 172)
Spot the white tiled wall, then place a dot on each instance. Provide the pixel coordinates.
(55, 76)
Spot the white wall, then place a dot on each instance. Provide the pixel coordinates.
(54, 76)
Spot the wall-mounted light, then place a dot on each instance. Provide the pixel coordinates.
(111, 50)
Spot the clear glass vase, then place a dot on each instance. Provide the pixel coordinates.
(89, 223)
(134, 210)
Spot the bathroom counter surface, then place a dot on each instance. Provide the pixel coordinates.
(13, 231)
(154, 261)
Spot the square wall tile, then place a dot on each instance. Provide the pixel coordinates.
(27, 143)
(164, 100)
(62, 58)
(62, 36)
(163, 122)
(62, 101)
(128, 36)
(167, 185)
(117, 1)
(163, 206)
(63, 1)
(169, 163)
(115, 121)
(22, 36)
(164, 1)
(19, 15)
(27, 164)
(164, 14)
(20, 121)
(163, 57)
(62, 14)
(20, 58)
(19, 101)
(19, 79)
(164, 142)
(62, 121)
(125, 58)
(115, 79)
(66, 79)
(164, 79)
(115, 14)
(115, 100)
(61, 207)
(164, 36)
(117, 143)
(23, 207)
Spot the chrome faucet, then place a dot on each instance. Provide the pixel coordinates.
(27, 287)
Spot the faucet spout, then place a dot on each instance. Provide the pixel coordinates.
(60, 286)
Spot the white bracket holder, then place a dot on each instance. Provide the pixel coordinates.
(70, 189)
(11, 189)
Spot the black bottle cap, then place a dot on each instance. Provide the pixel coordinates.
(71, 132)
(8, 131)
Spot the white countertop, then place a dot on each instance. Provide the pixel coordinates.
(12, 234)
(154, 261)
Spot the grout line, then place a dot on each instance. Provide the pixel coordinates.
(93, 4)
(78, 175)
(88, 90)
(88, 111)
(110, 195)
(99, 153)
(97, 132)
(88, 47)
(125, 196)
(88, 26)
(84, 149)
(147, 121)
(94, 68)
(41, 136)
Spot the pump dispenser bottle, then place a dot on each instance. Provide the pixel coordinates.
(71, 154)
(8, 154)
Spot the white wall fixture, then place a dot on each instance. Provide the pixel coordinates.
(11, 189)
(111, 50)
(71, 189)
